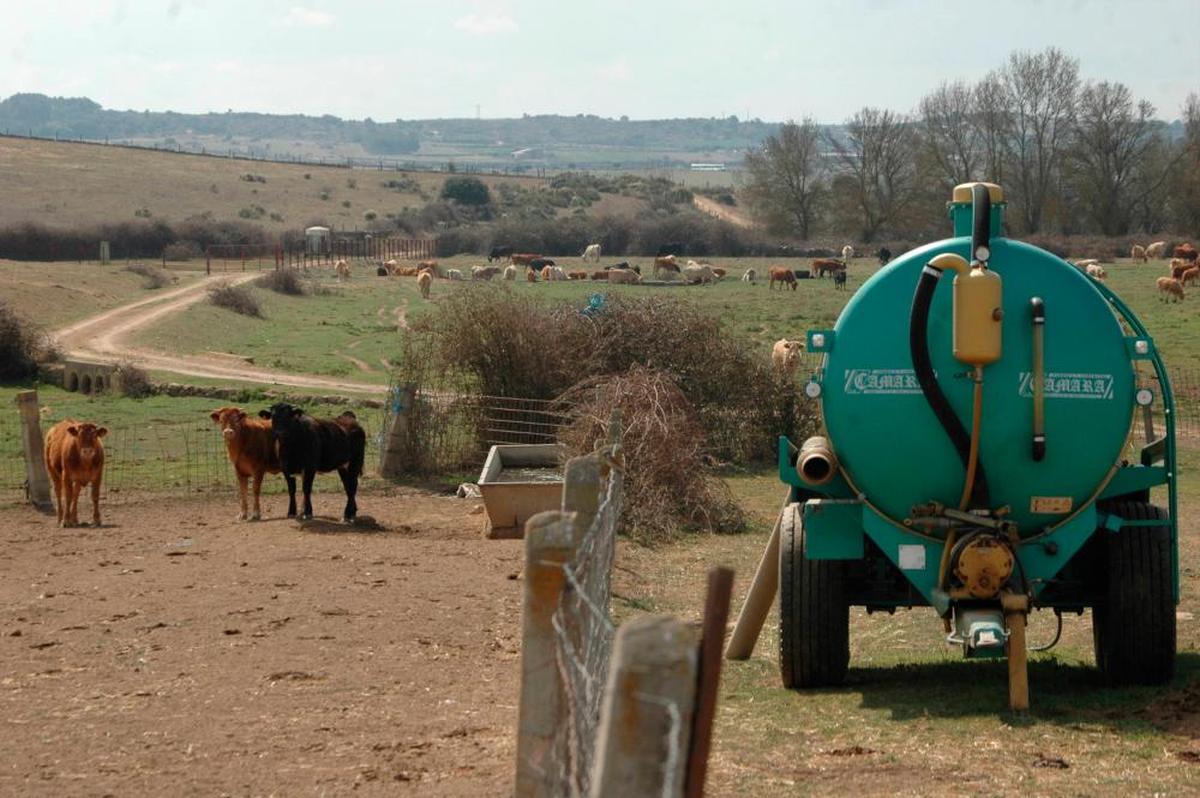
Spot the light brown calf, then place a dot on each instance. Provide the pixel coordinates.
(251, 448)
(74, 459)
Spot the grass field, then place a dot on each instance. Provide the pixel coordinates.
(61, 184)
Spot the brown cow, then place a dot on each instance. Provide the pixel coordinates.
(531, 276)
(783, 277)
(600, 274)
(666, 263)
(1170, 287)
(577, 275)
(719, 272)
(523, 258)
(1190, 276)
(251, 448)
(74, 459)
(823, 266)
(1186, 251)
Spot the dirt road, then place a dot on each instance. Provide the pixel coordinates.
(105, 335)
(177, 652)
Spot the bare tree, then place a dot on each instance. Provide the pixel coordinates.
(1111, 139)
(993, 121)
(1185, 178)
(786, 187)
(949, 135)
(1041, 89)
(877, 157)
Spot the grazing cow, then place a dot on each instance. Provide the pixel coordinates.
(698, 274)
(498, 253)
(548, 273)
(839, 280)
(719, 272)
(624, 276)
(510, 272)
(577, 275)
(785, 356)
(802, 274)
(749, 276)
(884, 256)
(666, 263)
(1138, 252)
(531, 276)
(451, 274)
(1096, 272)
(390, 266)
(428, 264)
(591, 254)
(251, 448)
(673, 248)
(74, 460)
(823, 266)
(308, 446)
(424, 283)
(1170, 287)
(408, 271)
(342, 269)
(622, 265)
(602, 274)
(1178, 267)
(540, 263)
(523, 258)
(782, 276)
(847, 253)
(1186, 251)
(484, 272)
(1157, 250)
(1190, 276)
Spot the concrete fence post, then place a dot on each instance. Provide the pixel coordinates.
(35, 457)
(646, 721)
(550, 542)
(398, 451)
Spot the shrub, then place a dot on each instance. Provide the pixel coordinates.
(253, 212)
(142, 213)
(370, 215)
(235, 298)
(22, 345)
(282, 281)
(276, 216)
(152, 277)
(668, 485)
(251, 178)
(182, 250)
(133, 379)
(325, 194)
(345, 203)
(466, 191)
(404, 185)
(351, 183)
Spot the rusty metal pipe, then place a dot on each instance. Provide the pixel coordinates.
(816, 461)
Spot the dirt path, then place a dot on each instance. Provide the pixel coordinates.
(714, 208)
(176, 646)
(105, 336)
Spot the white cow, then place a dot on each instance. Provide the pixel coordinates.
(785, 356)
(510, 272)
(453, 274)
(847, 252)
(698, 274)
(750, 276)
(342, 269)
(591, 254)
(559, 274)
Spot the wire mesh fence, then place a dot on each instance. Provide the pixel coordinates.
(584, 632)
(183, 458)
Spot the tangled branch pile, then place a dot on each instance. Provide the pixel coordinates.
(668, 487)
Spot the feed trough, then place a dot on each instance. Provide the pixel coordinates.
(517, 482)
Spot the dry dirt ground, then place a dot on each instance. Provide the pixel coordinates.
(175, 651)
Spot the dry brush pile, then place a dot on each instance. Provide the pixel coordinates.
(693, 396)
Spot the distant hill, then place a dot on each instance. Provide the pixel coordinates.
(548, 140)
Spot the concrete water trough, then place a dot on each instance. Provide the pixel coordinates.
(519, 481)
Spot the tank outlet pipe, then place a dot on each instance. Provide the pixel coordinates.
(816, 461)
(1038, 377)
(918, 344)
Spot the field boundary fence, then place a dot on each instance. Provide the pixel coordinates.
(358, 247)
(147, 460)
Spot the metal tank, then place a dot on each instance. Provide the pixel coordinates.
(979, 397)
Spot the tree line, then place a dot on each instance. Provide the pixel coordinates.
(1072, 156)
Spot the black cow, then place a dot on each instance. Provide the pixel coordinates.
(539, 263)
(308, 446)
(625, 265)
(839, 279)
(885, 255)
(673, 248)
(498, 253)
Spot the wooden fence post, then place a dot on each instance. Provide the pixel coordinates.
(35, 457)
(645, 725)
(550, 541)
(398, 451)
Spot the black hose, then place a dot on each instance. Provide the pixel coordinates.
(918, 345)
(981, 228)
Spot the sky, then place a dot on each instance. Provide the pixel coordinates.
(646, 59)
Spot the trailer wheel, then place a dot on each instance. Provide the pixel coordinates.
(814, 613)
(1134, 629)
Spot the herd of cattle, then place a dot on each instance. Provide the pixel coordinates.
(281, 440)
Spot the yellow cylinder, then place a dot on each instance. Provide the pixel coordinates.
(977, 315)
(816, 461)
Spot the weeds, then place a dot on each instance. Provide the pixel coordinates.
(152, 278)
(133, 379)
(22, 345)
(235, 298)
(282, 281)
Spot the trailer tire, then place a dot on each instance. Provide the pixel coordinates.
(1133, 631)
(814, 612)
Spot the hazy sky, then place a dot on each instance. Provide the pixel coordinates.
(644, 58)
